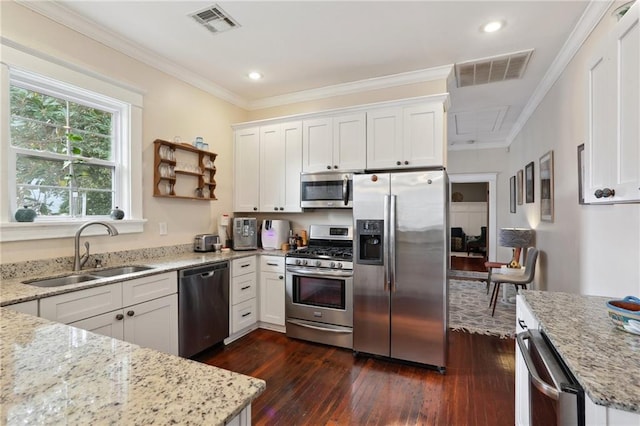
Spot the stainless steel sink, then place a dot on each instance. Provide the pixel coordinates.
(60, 281)
(119, 270)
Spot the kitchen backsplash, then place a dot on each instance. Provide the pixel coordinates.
(65, 264)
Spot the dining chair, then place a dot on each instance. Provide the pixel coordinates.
(517, 280)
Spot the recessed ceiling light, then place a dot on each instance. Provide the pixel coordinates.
(255, 75)
(492, 26)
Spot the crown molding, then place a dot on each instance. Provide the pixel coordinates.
(437, 73)
(91, 29)
(592, 15)
(462, 146)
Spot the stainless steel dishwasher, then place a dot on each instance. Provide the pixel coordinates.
(203, 307)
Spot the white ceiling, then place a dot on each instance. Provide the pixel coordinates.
(303, 46)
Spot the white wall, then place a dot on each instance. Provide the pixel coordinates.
(587, 249)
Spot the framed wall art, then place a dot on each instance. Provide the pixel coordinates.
(520, 184)
(546, 187)
(528, 180)
(512, 191)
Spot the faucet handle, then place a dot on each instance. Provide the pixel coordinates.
(85, 256)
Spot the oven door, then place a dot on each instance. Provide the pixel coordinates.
(555, 397)
(322, 296)
(326, 190)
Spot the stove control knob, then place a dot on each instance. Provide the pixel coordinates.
(304, 262)
(318, 263)
(339, 265)
(298, 261)
(332, 264)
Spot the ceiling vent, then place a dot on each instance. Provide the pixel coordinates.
(492, 70)
(215, 19)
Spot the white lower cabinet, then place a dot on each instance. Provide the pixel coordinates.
(143, 311)
(30, 307)
(243, 314)
(272, 292)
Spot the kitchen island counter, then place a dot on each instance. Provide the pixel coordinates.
(57, 374)
(604, 359)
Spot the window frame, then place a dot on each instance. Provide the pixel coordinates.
(24, 65)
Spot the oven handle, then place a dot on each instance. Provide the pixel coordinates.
(319, 273)
(345, 190)
(334, 329)
(541, 385)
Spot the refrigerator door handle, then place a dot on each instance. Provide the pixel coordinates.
(392, 243)
(385, 243)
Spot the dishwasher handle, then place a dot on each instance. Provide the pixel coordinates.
(205, 271)
(544, 387)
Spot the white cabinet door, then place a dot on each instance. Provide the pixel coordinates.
(150, 287)
(350, 142)
(30, 307)
(423, 136)
(292, 137)
(246, 176)
(272, 297)
(280, 167)
(110, 324)
(81, 304)
(384, 138)
(317, 145)
(153, 324)
(272, 171)
(612, 147)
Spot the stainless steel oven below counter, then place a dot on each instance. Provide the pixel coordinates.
(319, 288)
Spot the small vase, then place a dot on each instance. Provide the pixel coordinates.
(25, 214)
(117, 214)
(78, 204)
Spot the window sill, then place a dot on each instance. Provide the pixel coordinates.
(44, 230)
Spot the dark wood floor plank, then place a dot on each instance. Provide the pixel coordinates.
(312, 384)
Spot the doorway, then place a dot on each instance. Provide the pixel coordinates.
(472, 215)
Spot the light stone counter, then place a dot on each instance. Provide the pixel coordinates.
(13, 290)
(604, 359)
(57, 374)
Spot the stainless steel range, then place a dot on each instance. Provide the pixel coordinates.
(319, 287)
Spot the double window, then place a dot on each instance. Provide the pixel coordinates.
(65, 142)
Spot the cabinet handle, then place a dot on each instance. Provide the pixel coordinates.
(522, 324)
(275, 208)
(281, 208)
(246, 315)
(255, 209)
(244, 288)
(406, 163)
(130, 313)
(245, 265)
(272, 264)
(335, 167)
(328, 167)
(281, 277)
(398, 163)
(119, 317)
(606, 193)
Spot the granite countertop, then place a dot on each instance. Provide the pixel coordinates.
(14, 291)
(57, 374)
(604, 359)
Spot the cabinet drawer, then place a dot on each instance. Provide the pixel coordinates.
(243, 266)
(243, 315)
(77, 305)
(29, 307)
(148, 288)
(243, 288)
(272, 264)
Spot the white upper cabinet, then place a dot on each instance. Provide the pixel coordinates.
(406, 136)
(246, 176)
(280, 167)
(335, 143)
(612, 146)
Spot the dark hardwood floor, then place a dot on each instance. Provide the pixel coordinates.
(312, 384)
(473, 263)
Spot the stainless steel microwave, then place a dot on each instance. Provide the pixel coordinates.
(326, 190)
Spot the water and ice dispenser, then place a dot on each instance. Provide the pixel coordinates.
(370, 235)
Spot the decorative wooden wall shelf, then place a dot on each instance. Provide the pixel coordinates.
(167, 171)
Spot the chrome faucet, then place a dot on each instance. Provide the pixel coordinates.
(79, 261)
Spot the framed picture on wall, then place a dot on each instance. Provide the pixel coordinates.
(528, 180)
(546, 187)
(520, 184)
(512, 191)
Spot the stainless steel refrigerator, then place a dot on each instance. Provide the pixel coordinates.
(400, 266)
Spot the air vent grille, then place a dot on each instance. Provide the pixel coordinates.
(215, 19)
(492, 70)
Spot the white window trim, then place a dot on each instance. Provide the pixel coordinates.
(14, 59)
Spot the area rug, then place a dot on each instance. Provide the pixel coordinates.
(467, 275)
(469, 310)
